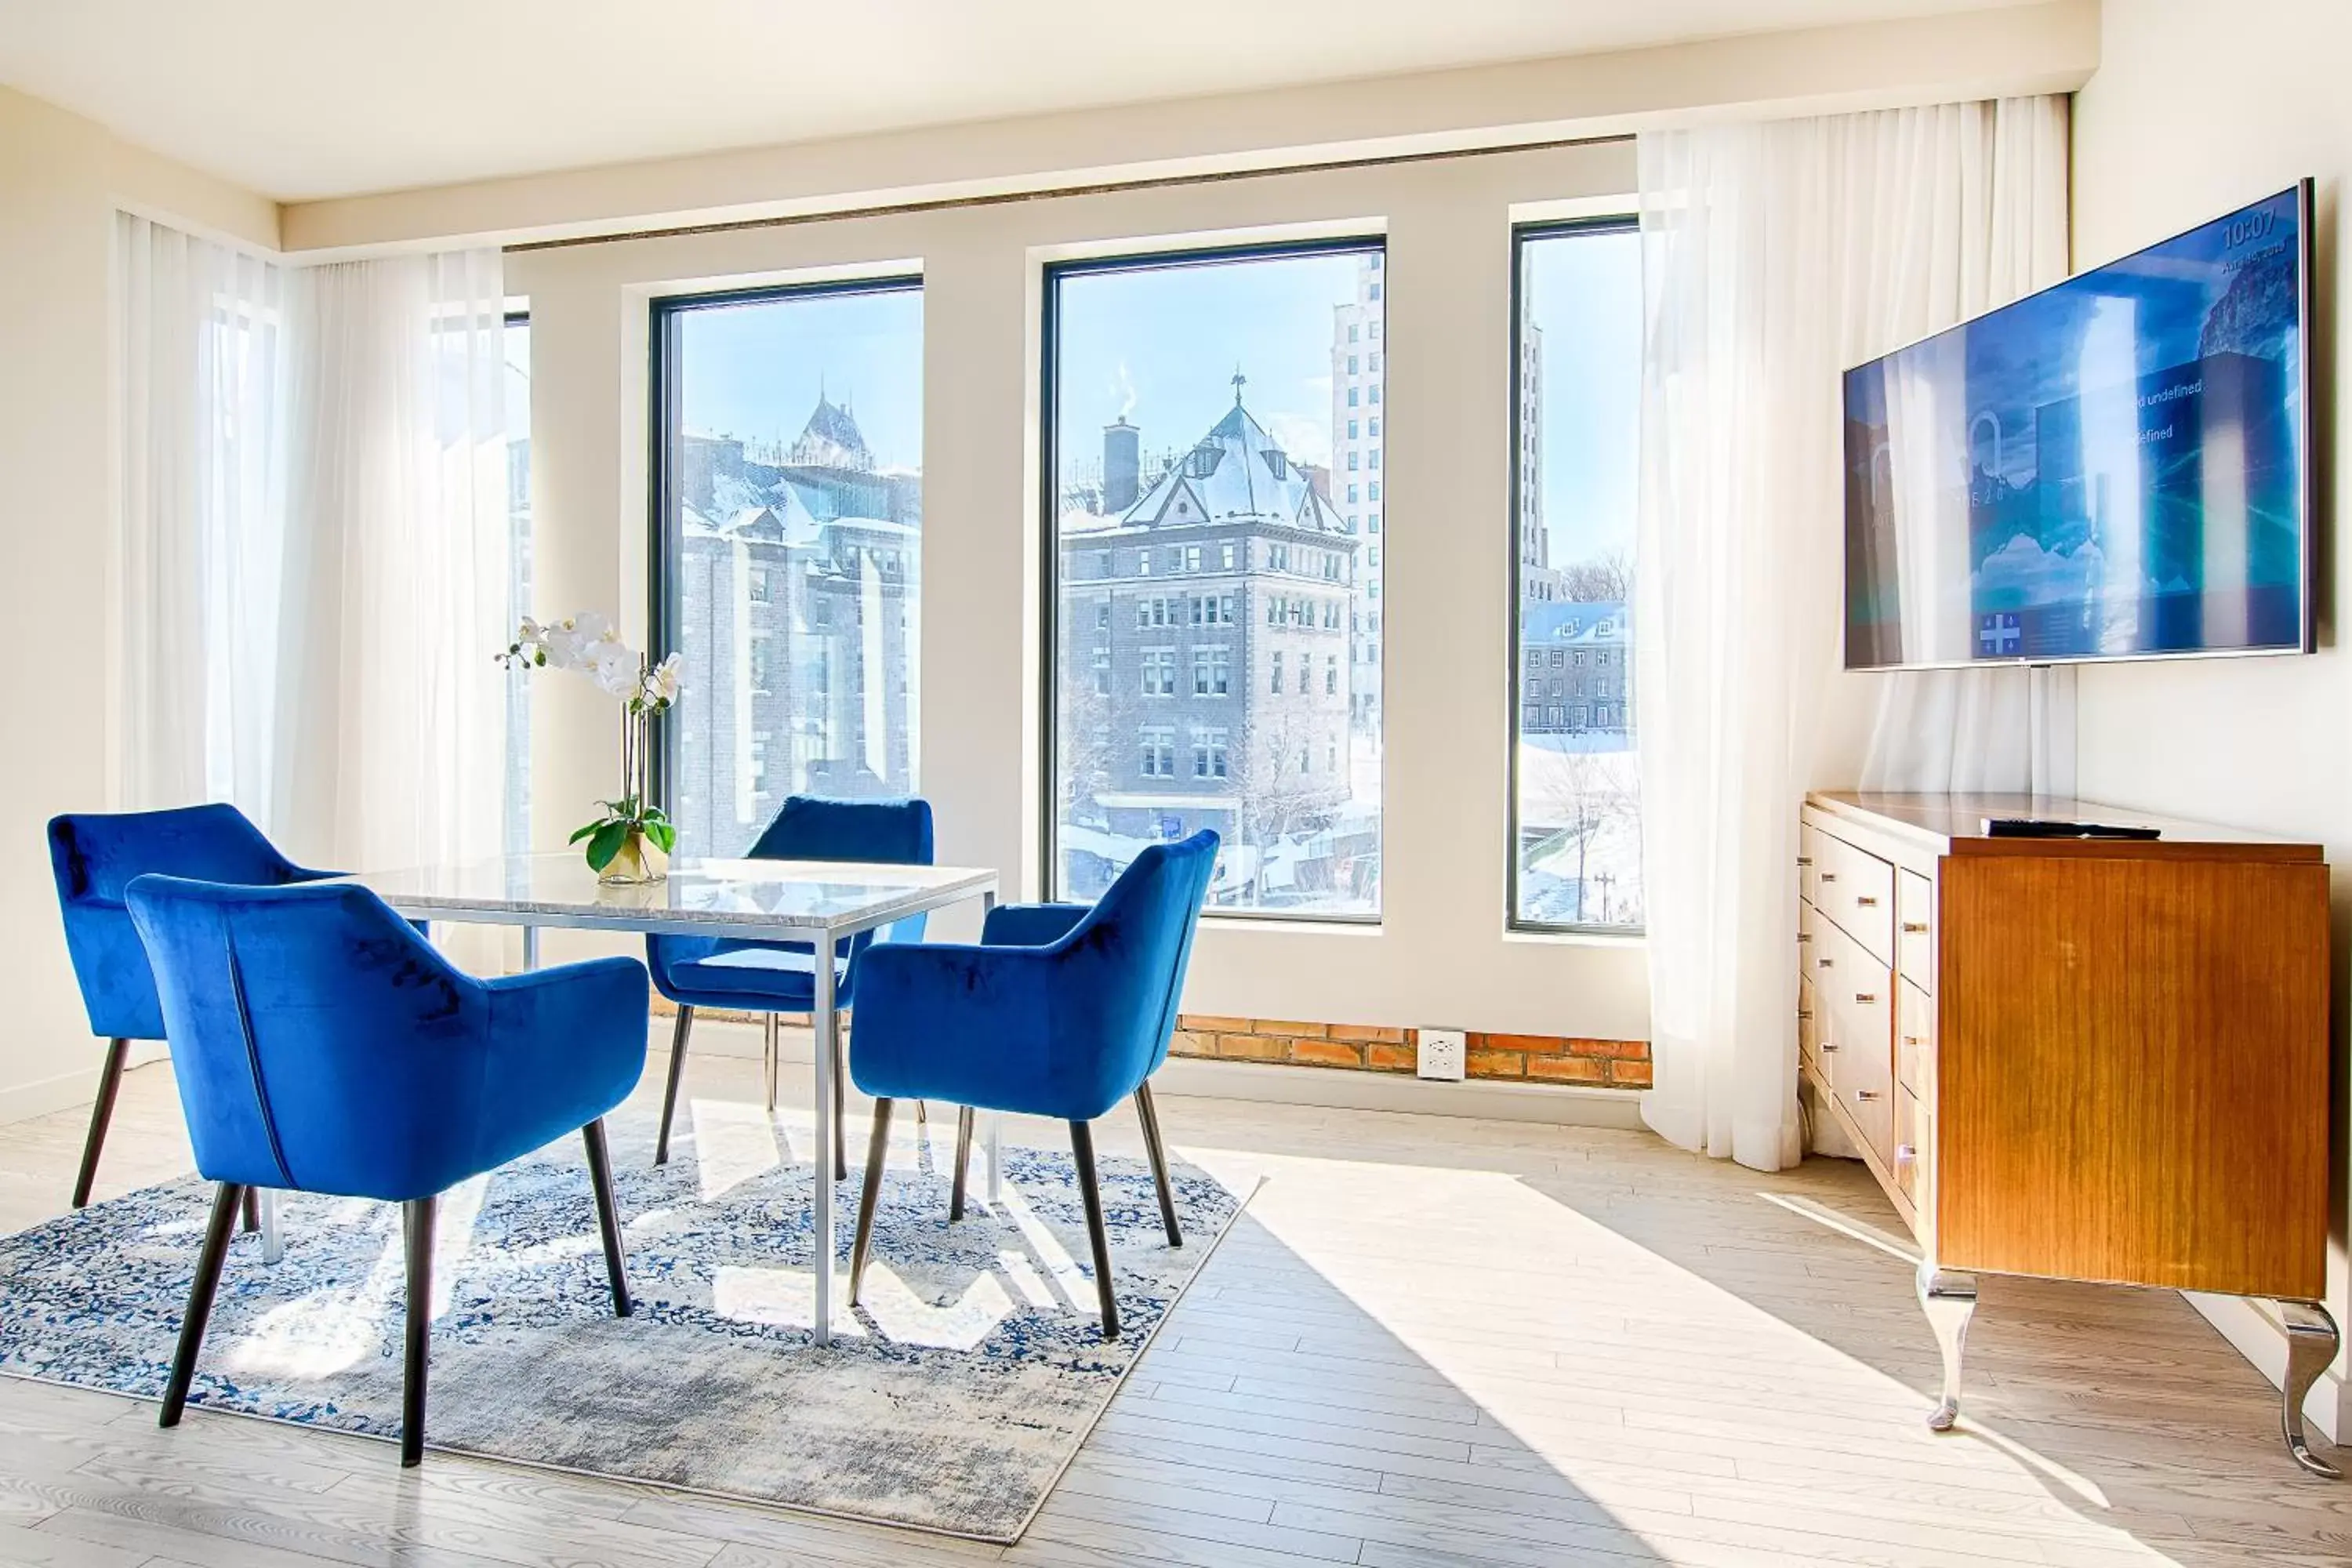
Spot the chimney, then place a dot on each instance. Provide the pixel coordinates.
(1122, 465)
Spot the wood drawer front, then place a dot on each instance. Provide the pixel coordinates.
(1915, 1022)
(1809, 1032)
(1857, 891)
(1809, 862)
(1910, 1143)
(1915, 929)
(1855, 1014)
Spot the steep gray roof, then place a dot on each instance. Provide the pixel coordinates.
(1235, 473)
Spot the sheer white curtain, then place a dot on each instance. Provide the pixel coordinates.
(397, 495)
(202, 358)
(315, 545)
(1774, 256)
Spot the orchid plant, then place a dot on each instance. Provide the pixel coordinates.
(618, 841)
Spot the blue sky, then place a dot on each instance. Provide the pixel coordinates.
(1160, 345)
(754, 371)
(1585, 292)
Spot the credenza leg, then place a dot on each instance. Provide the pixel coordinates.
(2312, 1341)
(1949, 1300)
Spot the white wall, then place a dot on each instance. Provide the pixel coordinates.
(2197, 108)
(1441, 956)
(61, 179)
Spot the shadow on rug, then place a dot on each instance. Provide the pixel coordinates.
(951, 1401)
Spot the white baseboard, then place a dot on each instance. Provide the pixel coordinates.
(2257, 1335)
(23, 1101)
(1564, 1105)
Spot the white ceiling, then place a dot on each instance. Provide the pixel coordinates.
(303, 99)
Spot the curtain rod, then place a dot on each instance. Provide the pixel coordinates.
(1055, 192)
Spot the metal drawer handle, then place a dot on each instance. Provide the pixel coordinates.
(1910, 1039)
(1804, 936)
(1805, 1012)
(1914, 928)
(1905, 1154)
(1826, 962)
(1829, 876)
(1828, 1044)
(1867, 998)
(1804, 860)
(1866, 1094)
(1865, 901)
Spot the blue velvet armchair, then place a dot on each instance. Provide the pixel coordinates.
(94, 857)
(1063, 1010)
(322, 1046)
(777, 977)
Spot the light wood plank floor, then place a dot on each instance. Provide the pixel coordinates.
(1431, 1342)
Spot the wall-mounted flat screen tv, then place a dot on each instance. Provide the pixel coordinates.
(2118, 466)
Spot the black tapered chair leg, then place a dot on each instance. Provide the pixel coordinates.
(417, 1218)
(1082, 1145)
(676, 1076)
(249, 1210)
(225, 1200)
(840, 1106)
(608, 1217)
(109, 1079)
(877, 1151)
(963, 1163)
(1149, 1114)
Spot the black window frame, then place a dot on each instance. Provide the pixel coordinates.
(1372, 242)
(663, 540)
(1522, 235)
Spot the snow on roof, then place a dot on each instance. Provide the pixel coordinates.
(1570, 621)
(1237, 472)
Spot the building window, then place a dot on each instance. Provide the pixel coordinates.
(1156, 753)
(753, 427)
(1577, 800)
(1209, 756)
(1159, 672)
(1273, 327)
(1102, 672)
(1212, 671)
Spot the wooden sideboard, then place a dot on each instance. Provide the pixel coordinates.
(2100, 1059)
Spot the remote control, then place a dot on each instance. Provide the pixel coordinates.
(2044, 827)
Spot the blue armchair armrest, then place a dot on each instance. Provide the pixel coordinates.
(1031, 925)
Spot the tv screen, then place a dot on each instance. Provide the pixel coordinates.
(2117, 466)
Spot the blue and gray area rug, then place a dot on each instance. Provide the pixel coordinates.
(952, 1402)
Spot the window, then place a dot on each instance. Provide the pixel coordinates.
(1102, 672)
(754, 426)
(1212, 671)
(1577, 796)
(1159, 672)
(1234, 365)
(1156, 753)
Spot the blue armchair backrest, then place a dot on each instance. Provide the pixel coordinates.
(1127, 959)
(812, 828)
(95, 857)
(318, 1042)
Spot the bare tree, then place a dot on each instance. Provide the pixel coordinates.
(1604, 579)
(1587, 792)
(1083, 738)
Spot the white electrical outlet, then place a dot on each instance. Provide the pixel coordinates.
(1442, 1054)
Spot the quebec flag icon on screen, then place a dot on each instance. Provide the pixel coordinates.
(1999, 636)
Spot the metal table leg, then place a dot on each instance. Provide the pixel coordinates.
(273, 1245)
(530, 948)
(2311, 1341)
(825, 1025)
(1949, 1300)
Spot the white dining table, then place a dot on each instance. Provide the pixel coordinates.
(817, 901)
